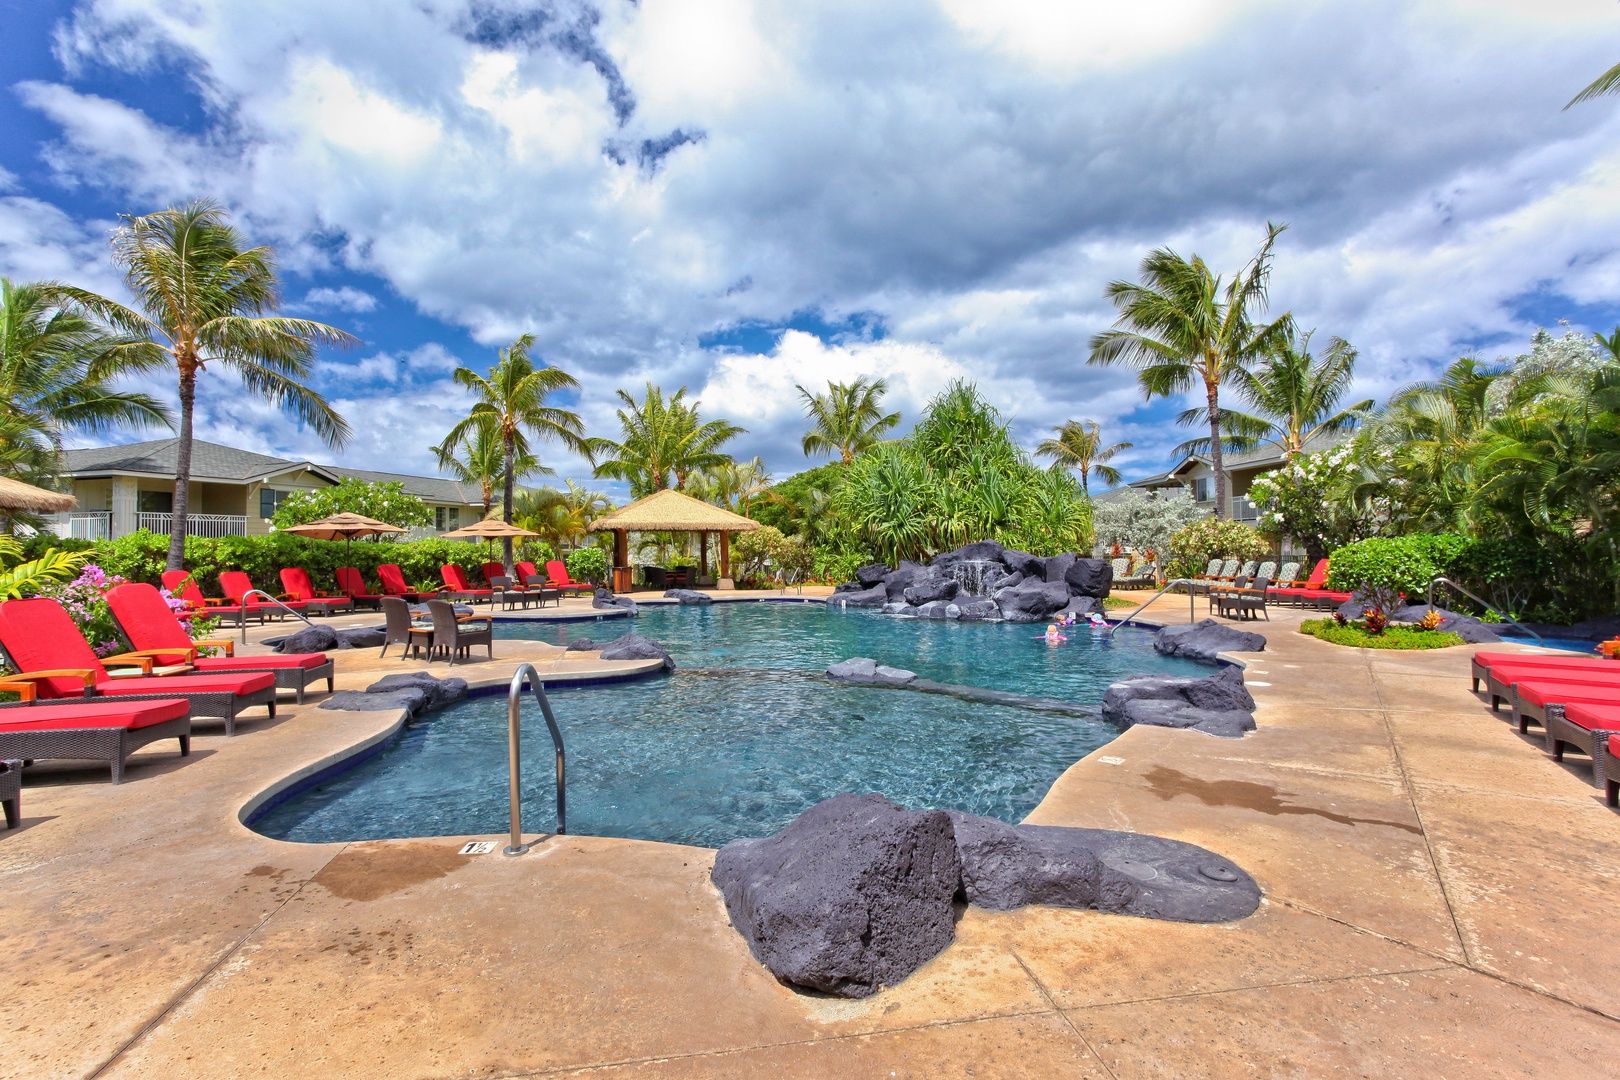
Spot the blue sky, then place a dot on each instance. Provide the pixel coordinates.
(739, 197)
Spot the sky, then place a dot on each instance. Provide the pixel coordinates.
(744, 197)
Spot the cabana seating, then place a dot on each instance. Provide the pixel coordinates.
(1484, 661)
(353, 585)
(73, 730)
(1586, 726)
(1531, 699)
(42, 642)
(295, 583)
(1576, 699)
(146, 623)
(1504, 677)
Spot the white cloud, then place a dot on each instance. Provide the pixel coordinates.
(347, 298)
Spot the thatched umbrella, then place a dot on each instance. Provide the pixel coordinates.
(16, 495)
(343, 527)
(671, 511)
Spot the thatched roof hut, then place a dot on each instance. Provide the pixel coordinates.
(671, 511)
(16, 495)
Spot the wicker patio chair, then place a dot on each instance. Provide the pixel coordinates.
(457, 636)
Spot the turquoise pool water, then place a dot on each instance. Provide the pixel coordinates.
(1564, 644)
(744, 737)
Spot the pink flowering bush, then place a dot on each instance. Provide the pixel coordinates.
(85, 601)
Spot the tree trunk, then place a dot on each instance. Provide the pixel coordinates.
(1085, 481)
(1216, 459)
(182, 472)
(506, 508)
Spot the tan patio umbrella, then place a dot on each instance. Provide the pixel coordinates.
(16, 495)
(671, 511)
(343, 527)
(490, 529)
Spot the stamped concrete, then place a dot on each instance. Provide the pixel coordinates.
(1436, 894)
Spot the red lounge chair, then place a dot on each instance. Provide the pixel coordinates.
(296, 584)
(180, 583)
(557, 578)
(393, 582)
(100, 730)
(455, 580)
(525, 571)
(354, 587)
(146, 622)
(236, 585)
(1611, 771)
(1531, 699)
(1293, 592)
(1484, 661)
(1501, 678)
(495, 570)
(40, 640)
(1584, 725)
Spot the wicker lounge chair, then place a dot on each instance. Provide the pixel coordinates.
(353, 585)
(236, 585)
(399, 628)
(1484, 661)
(147, 624)
(1248, 602)
(1586, 726)
(393, 582)
(11, 791)
(457, 636)
(296, 584)
(557, 578)
(456, 583)
(180, 583)
(1501, 678)
(41, 641)
(1532, 699)
(1285, 577)
(102, 730)
(1267, 570)
(1294, 591)
(1201, 584)
(1611, 771)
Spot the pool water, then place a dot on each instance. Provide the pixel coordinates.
(745, 736)
(1563, 644)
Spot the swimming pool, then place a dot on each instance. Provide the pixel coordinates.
(1563, 644)
(745, 736)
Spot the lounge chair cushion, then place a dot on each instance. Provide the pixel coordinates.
(456, 578)
(1491, 659)
(148, 623)
(1545, 693)
(393, 580)
(236, 585)
(87, 714)
(208, 665)
(1513, 675)
(352, 584)
(1588, 715)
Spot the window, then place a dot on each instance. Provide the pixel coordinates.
(446, 517)
(154, 502)
(270, 501)
(1204, 489)
(455, 517)
(438, 518)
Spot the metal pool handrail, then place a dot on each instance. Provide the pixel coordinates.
(1191, 605)
(1499, 614)
(514, 762)
(273, 600)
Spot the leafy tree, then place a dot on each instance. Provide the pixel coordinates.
(202, 298)
(1311, 498)
(512, 408)
(662, 442)
(1185, 330)
(1143, 521)
(1079, 445)
(479, 458)
(848, 419)
(560, 517)
(1295, 397)
(587, 564)
(1606, 83)
(383, 500)
(57, 372)
(801, 505)
(734, 485)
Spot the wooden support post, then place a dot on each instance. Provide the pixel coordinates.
(725, 554)
(703, 554)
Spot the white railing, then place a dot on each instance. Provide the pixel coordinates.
(1244, 510)
(208, 525)
(84, 525)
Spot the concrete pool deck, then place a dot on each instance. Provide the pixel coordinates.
(1439, 897)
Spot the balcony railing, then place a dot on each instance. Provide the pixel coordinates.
(208, 525)
(84, 525)
(1244, 510)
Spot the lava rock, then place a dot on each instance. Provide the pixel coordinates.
(1218, 704)
(1082, 606)
(979, 611)
(1022, 562)
(308, 640)
(1126, 873)
(607, 600)
(847, 586)
(1057, 566)
(1205, 640)
(856, 668)
(900, 608)
(689, 596)
(412, 699)
(440, 692)
(872, 574)
(1470, 629)
(927, 588)
(583, 644)
(853, 896)
(876, 596)
(1222, 723)
(1032, 601)
(361, 637)
(902, 578)
(982, 551)
(935, 609)
(1090, 577)
(893, 676)
(636, 647)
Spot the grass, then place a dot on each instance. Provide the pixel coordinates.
(1395, 637)
(1112, 602)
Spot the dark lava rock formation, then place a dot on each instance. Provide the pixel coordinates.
(982, 582)
(636, 647)
(1216, 705)
(689, 596)
(605, 600)
(415, 691)
(1204, 641)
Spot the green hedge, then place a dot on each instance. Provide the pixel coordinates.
(1194, 546)
(1395, 637)
(140, 557)
(1404, 563)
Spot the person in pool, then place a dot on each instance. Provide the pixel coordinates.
(1054, 635)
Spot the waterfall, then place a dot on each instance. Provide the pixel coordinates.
(970, 575)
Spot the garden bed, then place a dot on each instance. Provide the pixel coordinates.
(1358, 636)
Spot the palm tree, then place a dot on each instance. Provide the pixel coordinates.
(847, 419)
(662, 442)
(560, 517)
(1186, 330)
(1079, 446)
(1606, 83)
(512, 406)
(203, 296)
(733, 485)
(482, 461)
(57, 367)
(1295, 398)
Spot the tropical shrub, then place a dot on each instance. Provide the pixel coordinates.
(85, 601)
(384, 500)
(1311, 499)
(1194, 546)
(1143, 521)
(588, 564)
(1394, 637)
(24, 576)
(750, 551)
(1404, 563)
